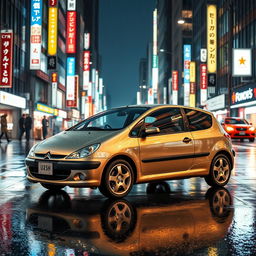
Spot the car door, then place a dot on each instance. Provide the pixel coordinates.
(170, 150)
(204, 137)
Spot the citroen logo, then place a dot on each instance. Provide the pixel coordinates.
(47, 156)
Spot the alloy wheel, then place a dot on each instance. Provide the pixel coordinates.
(221, 170)
(119, 179)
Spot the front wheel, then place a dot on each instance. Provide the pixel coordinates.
(220, 171)
(251, 139)
(52, 186)
(117, 181)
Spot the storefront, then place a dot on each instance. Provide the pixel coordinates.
(218, 107)
(13, 106)
(244, 103)
(56, 118)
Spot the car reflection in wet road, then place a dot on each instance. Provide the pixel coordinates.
(169, 224)
(179, 217)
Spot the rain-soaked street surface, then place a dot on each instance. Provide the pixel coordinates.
(188, 219)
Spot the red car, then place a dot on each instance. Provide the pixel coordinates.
(239, 128)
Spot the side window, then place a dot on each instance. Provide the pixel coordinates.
(198, 120)
(168, 120)
(136, 129)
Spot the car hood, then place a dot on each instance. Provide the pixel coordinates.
(67, 142)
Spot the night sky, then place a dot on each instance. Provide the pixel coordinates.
(125, 28)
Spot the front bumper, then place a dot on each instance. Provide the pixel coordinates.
(65, 171)
(236, 135)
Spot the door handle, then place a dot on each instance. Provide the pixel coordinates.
(186, 140)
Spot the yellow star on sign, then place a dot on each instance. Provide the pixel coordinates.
(242, 61)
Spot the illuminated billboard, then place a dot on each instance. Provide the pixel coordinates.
(52, 30)
(6, 57)
(36, 34)
(242, 62)
(212, 38)
(71, 32)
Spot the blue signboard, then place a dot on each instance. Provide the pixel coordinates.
(36, 12)
(187, 59)
(70, 66)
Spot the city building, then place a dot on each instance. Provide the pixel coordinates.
(48, 53)
(13, 77)
(142, 92)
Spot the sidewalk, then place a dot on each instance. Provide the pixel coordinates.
(12, 169)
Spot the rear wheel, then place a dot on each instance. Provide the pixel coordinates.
(220, 171)
(252, 139)
(117, 181)
(52, 186)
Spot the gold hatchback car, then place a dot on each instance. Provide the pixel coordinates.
(135, 144)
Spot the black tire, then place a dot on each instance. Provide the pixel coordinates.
(220, 171)
(118, 219)
(52, 186)
(252, 139)
(117, 179)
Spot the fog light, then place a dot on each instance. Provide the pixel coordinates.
(82, 176)
(79, 176)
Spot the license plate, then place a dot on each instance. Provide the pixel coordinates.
(241, 133)
(45, 168)
(44, 223)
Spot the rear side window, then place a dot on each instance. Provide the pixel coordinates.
(198, 120)
(168, 120)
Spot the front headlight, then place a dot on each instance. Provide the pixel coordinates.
(229, 129)
(251, 129)
(84, 152)
(31, 152)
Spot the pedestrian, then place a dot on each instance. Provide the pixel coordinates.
(22, 126)
(45, 124)
(4, 130)
(28, 126)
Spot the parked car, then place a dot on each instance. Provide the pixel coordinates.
(135, 144)
(159, 224)
(239, 128)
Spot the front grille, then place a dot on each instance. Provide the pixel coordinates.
(246, 134)
(53, 156)
(241, 129)
(57, 174)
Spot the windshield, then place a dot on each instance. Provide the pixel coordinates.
(236, 121)
(114, 119)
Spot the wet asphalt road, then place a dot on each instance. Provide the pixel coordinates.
(183, 217)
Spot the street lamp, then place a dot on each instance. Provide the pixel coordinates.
(181, 21)
(164, 51)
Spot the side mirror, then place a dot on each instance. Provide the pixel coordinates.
(151, 130)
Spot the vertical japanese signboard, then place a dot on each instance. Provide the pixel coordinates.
(187, 59)
(70, 88)
(71, 32)
(6, 56)
(155, 56)
(175, 87)
(54, 88)
(203, 84)
(52, 27)
(212, 38)
(192, 94)
(35, 34)
(86, 41)
(86, 70)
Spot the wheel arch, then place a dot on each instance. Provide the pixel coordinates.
(122, 157)
(228, 155)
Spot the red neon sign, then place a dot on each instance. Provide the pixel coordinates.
(6, 55)
(203, 76)
(86, 60)
(175, 80)
(71, 32)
